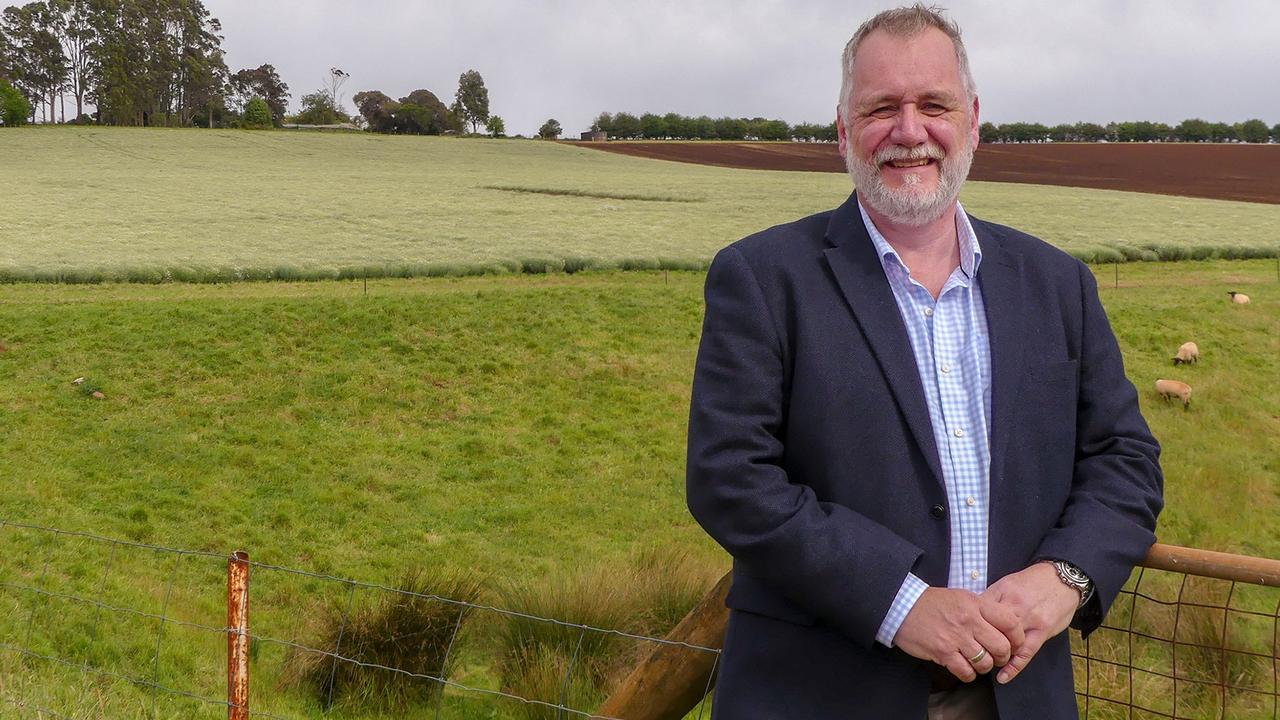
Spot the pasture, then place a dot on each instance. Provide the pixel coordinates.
(87, 204)
(521, 427)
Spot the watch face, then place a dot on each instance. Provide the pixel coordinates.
(1072, 574)
(1075, 577)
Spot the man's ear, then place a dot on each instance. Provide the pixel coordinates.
(974, 130)
(840, 132)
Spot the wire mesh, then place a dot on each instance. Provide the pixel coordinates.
(1181, 646)
(98, 627)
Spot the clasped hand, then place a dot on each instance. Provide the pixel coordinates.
(1004, 627)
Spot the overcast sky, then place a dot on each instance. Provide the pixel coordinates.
(1050, 62)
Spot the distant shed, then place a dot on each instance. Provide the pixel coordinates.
(595, 135)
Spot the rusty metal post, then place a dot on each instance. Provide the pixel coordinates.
(238, 636)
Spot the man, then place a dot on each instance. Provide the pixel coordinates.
(912, 429)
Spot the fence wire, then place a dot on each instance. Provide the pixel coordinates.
(95, 627)
(102, 627)
(1181, 647)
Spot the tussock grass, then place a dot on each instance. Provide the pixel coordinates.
(549, 661)
(408, 634)
(546, 675)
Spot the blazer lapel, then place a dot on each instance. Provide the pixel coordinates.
(861, 279)
(1001, 279)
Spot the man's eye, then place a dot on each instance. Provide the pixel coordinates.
(884, 111)
(933, 109)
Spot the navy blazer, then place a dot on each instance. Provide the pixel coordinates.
(812, 461)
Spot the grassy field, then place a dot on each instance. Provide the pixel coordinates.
(527, 430)
(520, 426)
(86, 204)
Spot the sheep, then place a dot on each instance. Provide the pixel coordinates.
(1188, 353)
(1238, 298)
(1173, 388)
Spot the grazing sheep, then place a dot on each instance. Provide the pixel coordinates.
(1173, 388)
(1188, 353)
(1238, 298)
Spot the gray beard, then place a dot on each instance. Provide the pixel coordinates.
(905, 205)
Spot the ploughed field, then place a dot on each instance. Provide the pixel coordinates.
(1249, 173)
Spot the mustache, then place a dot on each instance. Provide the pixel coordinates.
(928, 151)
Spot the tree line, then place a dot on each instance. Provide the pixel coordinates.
(673, 126)
(139, 62)
(161, 62)
(1190, 130)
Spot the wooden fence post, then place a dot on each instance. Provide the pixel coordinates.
(238, 636)
(673, 678)
(670, 682)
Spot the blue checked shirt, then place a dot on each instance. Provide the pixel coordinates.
(953, 355)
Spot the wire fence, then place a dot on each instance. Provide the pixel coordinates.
(1178, 645)
(95, 627)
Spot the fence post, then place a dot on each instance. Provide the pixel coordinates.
(238, 636)
(673, 679)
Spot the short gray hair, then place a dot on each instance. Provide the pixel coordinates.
(904, 22)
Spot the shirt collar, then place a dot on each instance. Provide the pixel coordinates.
(970, 251)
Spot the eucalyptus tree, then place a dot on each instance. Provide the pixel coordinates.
(471, 103)
(36, 62)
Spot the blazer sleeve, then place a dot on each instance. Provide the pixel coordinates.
(824, 557)
(1109, 520)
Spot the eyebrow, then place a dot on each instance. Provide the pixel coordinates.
(935, 95)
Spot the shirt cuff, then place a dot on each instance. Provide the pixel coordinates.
(908, 593)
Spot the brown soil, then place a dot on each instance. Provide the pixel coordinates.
(1223, 172)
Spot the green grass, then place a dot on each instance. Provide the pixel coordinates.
(93, 204)
(518, 425)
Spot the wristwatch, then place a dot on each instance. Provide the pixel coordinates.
(1075, 577)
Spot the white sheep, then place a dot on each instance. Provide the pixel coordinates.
(1188, 353)
(1238, 298)
(1174, 388)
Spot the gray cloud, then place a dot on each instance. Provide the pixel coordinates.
(1098, 60)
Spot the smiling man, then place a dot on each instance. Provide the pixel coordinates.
(912, 429)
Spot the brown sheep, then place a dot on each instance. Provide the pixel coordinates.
(1174, 388)
(1238, 298)
(1188, 353)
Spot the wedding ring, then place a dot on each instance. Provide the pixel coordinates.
(978, 658)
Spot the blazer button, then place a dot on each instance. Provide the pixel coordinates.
(937, 512)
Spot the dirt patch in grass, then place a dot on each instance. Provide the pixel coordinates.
(1249, 173)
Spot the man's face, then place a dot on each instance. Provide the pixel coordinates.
(909, 131)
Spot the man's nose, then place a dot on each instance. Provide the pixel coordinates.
(908, 126)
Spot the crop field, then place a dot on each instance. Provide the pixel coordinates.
(148, 205)
(518, 429)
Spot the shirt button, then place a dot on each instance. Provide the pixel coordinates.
(928, 312)
(959, 432)
(970, 501)
(973, 574)
(946, 368)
